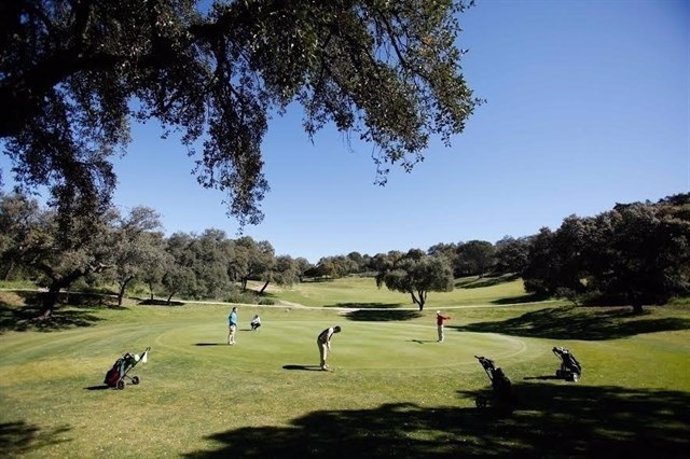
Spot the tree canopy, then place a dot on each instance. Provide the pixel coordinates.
(415, 273)
(74, 73)
(634, 254)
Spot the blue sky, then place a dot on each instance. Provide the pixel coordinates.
(588, 104)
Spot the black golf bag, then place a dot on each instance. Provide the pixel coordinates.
(500, 384)
(570, 369)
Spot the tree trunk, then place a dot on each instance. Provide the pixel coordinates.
(151, 290)
(418, 301)
(8, 271)
(121, 293)
(59, 282)
(637, 307)
(244, 284)
(50, 299)
(261, 292)
(422, 299)
(170, 297)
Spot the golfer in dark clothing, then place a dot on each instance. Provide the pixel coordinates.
(324, 343)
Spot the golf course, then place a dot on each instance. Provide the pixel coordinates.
(392, 391)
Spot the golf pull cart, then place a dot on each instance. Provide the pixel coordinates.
(115, 377)
(500, 384)
(570, 368)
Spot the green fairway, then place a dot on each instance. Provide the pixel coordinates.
(393, 391)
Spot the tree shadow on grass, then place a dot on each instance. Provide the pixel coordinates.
(364, 315)
(19, 438)
(482, 282)
(583, 323)
(551, 420)
(72, 299)
(364, 305)
(25, 318)
(528, 298)
(154, 302)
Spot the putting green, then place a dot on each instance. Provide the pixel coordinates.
(280, 344)
(360, 345)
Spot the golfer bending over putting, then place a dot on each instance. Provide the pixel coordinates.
(324, 343)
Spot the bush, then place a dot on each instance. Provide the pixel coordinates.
(242, 297)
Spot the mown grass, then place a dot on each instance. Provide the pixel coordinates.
(361, 292)
(394, 391)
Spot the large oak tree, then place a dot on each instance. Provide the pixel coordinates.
(74, 73)
(415, 273)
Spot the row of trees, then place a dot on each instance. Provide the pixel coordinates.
(472, 258)
(633, 254)
(120, 249)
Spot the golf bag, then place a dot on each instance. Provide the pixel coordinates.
(500, 384)
(115, 377)
(570, 368)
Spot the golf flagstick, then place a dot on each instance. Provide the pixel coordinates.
(145, 355)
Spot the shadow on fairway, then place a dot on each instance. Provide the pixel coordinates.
(586, 323)
(364, 305)
(302, 367)
(19, 438)
(528, 298)
(541, 378)
(101, 387)
(25, 318)
(150, 302)
(553, 420)
(482, 282)
(365, 315)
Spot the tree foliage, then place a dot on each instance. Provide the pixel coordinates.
(634, 254)
(474, 258)
(415, 273)
(74, 73)
(511, 255)
(134, 247)
(58, 257)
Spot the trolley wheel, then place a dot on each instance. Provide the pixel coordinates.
(575, 377)
(559, 374)
(121, 384)
(136, 380)
(480, 402)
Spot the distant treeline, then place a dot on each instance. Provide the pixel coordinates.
(634, 254)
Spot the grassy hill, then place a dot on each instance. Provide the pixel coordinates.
(394, 391)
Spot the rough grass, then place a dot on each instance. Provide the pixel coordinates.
(394, 391)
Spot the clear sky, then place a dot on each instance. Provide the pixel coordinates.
(588, 105)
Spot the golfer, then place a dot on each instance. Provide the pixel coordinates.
(323, 341)
(255, 323)
(439, 324)
(232, 325)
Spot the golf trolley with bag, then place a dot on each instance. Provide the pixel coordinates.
(500, 384)
(570, 368)
(115, 377)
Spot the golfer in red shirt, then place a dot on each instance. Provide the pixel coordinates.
(439, 322)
